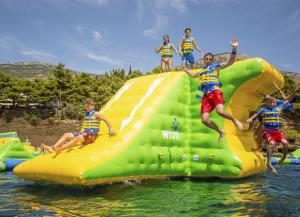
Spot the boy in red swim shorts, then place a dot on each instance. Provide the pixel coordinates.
(211, 88)
(270, 116)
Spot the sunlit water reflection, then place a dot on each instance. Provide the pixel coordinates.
(262, 195)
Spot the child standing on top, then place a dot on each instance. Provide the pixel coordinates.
(166, 50)
(186, 46)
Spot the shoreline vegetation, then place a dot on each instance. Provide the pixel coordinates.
(40, 109)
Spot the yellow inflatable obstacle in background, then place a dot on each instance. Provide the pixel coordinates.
(5, 137)
(159, 132)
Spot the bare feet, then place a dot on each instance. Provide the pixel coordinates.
(239, 124)
(271, 168)
(221, 137)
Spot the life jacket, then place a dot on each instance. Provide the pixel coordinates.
(90, 124)
(166, 51)
(288, 108)
(209, 78)
(271, 118)
(187, 45)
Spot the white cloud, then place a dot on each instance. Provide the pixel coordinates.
(140, 10)
(178, 5)
(10, 45)
(287, 65)
(37, 54)
(80, 28)
(96, 2)
(159, 8)
(38, 22)
(97, 35)
(294, 16)
(290, 24)
(160, 22)
(105, 59)
(11, 48)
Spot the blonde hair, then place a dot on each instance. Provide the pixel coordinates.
(89, 102)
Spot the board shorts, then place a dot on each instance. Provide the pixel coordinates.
(188, 58)
(273, 136)
(89, 137)
(210, 100)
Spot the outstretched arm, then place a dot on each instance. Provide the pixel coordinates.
(180, 47)
(174, 48)
(196, 46)
(193, 75)
(101, 117)
(280, 91)
(250, 120)
(157, 50)
(234, 44)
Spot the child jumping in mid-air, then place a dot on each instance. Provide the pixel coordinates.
(211, 88)
(270, 117)
(166, 50)
(186, 46)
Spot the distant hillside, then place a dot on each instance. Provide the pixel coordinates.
(42, 69)
(27, 69)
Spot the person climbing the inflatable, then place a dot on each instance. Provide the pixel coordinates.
(211, 87)
(88, 133)
(270, 116)
(290, 98)
(166, 50)
(186, 46)
(288, 108)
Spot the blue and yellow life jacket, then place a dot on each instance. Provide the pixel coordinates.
(90, 124)
(209, 78)
(187, 45)
(166, 51)
(271, 118)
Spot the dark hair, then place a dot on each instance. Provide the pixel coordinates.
(167, 37)
(209, 54)
(186, 29)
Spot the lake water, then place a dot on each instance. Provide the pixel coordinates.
(262, 195)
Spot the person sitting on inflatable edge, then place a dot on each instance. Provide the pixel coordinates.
(88, 133)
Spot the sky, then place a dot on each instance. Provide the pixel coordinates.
(99, 35)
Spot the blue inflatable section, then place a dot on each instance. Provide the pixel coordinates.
(290, 161)
(11, 163)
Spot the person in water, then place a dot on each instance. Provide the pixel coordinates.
(211, 87)
(270, 117)
(166, 50)
(88, 133)
(186, 47)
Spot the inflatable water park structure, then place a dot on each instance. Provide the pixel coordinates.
(160, 134)
(13, 151)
